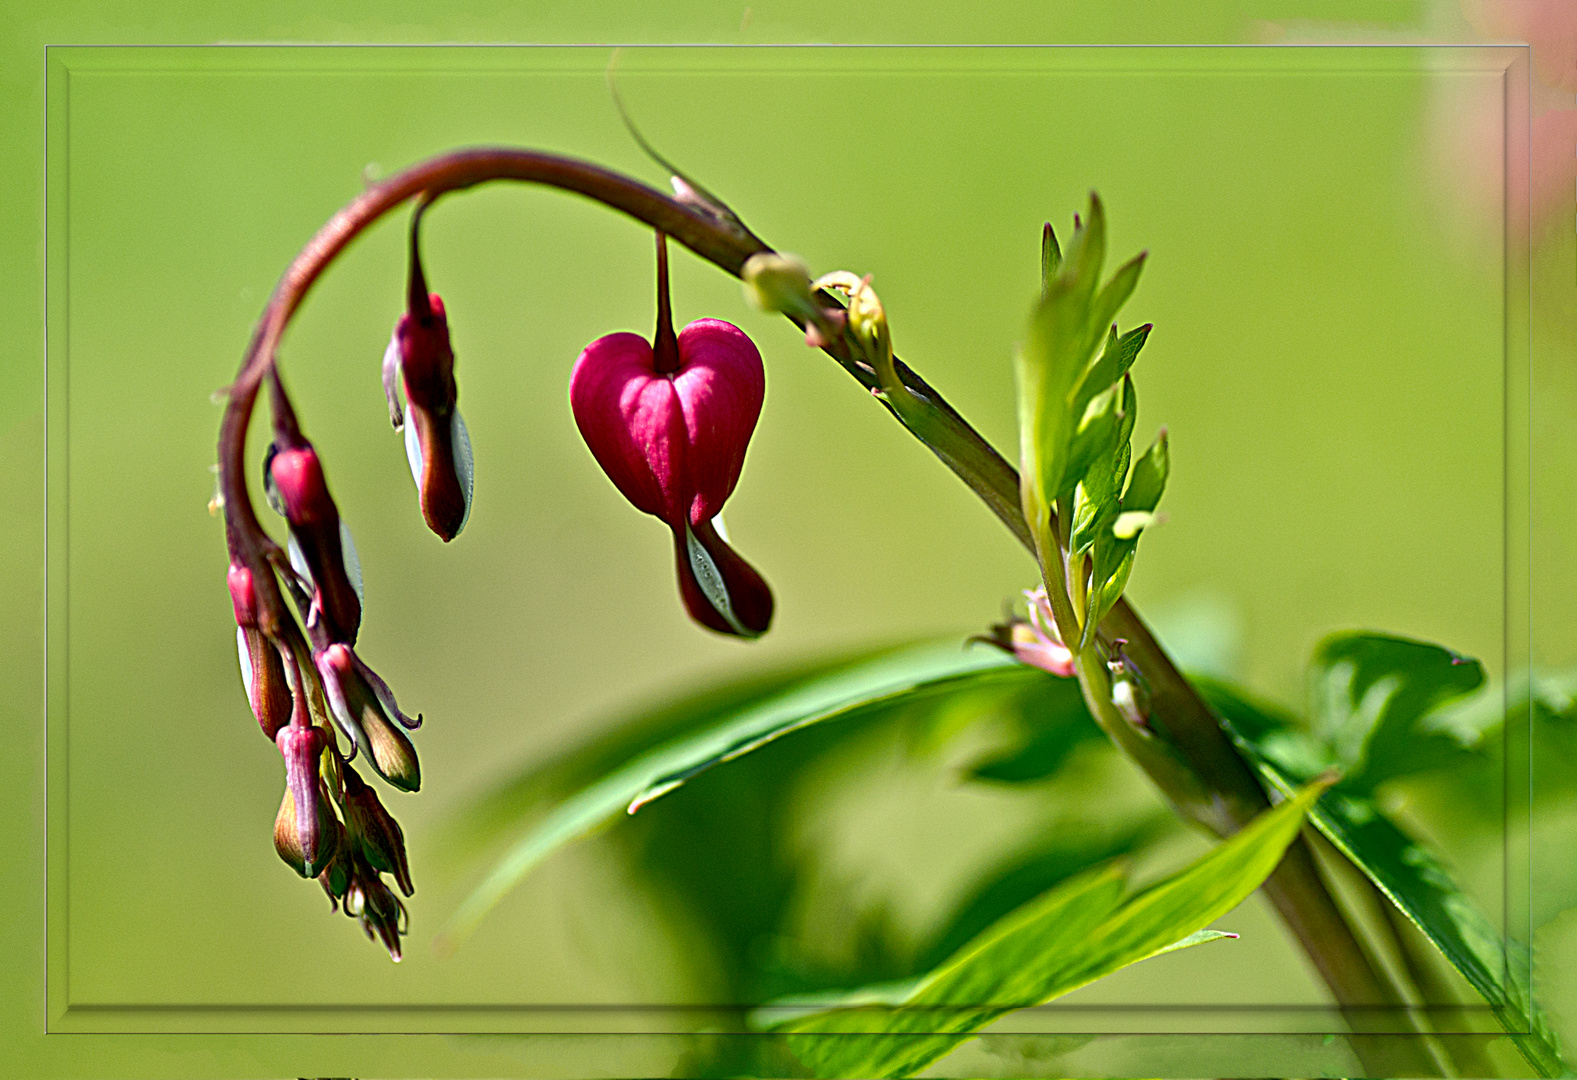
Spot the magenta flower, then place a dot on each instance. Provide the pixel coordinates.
(669, 427)
(436, 442)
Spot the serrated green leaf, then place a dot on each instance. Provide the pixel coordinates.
(881, 679)
(1409, 875)
(1371, 693)
(1066, 329)
(1113, 564)
(1064, 939)
(1095, 501)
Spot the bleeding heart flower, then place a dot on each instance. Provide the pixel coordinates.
(306, 832)
(670, 432)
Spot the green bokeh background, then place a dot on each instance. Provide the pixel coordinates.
(1328, 357)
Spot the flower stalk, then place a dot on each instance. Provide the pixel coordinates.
(1202, 773)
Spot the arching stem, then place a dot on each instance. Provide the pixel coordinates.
(1296, 889)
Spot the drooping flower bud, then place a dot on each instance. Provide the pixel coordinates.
(373, 904)
(262, 670)
(669, 425)
(317, 536)
(306, 832)
(321, 551)
(437, 444)
(364, 708)
(369, 824)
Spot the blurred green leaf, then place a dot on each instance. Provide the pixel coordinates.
(1406, 872)
(1055, 722)
(1078, 932)
(725, 734)
(616, 742)
(1094, 438)
(1372, 694)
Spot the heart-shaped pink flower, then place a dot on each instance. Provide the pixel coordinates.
(672, 437)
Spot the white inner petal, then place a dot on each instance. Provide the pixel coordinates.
(711, 581)
(413, 449)
(298, 561)
(347, 548)
(246, 660)
(462, 463)
(722, 530)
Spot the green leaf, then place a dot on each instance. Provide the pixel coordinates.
(1415, 881)
(1094, 439)
(1149, 476)
(1031, 873)
(1056, 722)
(1072, 935)
(1066, 328)
(747, 725)
(1050, 256)
(1116, 293)
(1116, 359)
(1049, 363)
(1373, 694)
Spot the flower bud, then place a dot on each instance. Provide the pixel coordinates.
(673, 442)
(382, 842)
(262, 670)
(306, 833)
(437, 444)
(373, 904)
(364, 707)
(315, 529)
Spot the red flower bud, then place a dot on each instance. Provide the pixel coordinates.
(262, 670)
(437, 444)
(306, 833)
(318, 536)
(673, 440)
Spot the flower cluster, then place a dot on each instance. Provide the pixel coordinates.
(668, 420)
(306, 683)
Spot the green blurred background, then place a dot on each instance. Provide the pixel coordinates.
(1328, 356)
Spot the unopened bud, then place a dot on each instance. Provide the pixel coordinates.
(382, 842)
(289, 837)
(777, 282)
